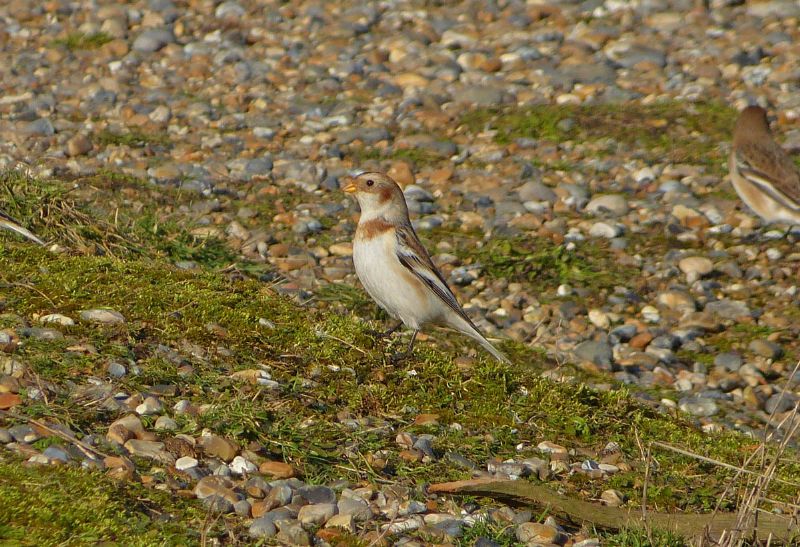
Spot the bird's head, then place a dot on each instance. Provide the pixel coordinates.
(752, 122)
(378, 196)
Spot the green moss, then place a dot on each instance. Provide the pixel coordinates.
(638, 537)
(502, 535)
(419, 157)
(134, 137)
(340, 399)
(78, 40)
(65, 505)
(539, 260)
(49, 208)
(672, 130)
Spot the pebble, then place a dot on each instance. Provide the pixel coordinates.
(240, 466)
(185, 462)
(152, 40)
(58, 319)
(608, 205)
(109, 317)
(116, 370)
(316, 514)
(695, 267)
(765, 348)
(218, 447)
(698, 406)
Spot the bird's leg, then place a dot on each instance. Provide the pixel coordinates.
(386, 333)
(397, 357)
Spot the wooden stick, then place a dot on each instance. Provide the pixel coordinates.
(615, 518)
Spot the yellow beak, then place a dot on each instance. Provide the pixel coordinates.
(351, 187)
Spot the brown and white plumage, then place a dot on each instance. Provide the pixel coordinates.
(10, 224)
(395, 268)
(763, 173)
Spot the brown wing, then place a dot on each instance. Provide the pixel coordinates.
(772, 169)
(416, 259)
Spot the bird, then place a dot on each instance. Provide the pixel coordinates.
(395, 268)
(10, 224)
(763, 173)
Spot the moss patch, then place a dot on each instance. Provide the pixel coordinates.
(673, 131)
(78, 41)
(56, 506)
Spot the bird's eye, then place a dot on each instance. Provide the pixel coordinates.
(370, 182)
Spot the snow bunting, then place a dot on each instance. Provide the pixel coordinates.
(395, 268)
(762, 172)
(10, 224)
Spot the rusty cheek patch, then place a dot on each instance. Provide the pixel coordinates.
(373, 228)
(385, 194)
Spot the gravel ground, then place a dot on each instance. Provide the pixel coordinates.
(564, 163)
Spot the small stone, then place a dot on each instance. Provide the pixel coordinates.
(695, 267)
(119, 468)
(698, 406)
(534, 532)
(242, 508)
(551, 448)
(596, 352)
(149, 449)
(358, 508)
(240, 466)
(728, 309)
(152, 40)
(79, 145)
(780, 403)
(292, 533)
(401, 172)
(317, 494)
(109, 317)
(599, 318)
(537, 192)
(151, 405)
(40, 128)
(215, 485)
(165, 423)
(729, 360)
(342, 522)
(58, 319)
(613, 498)
(221, 448)
(278, 497)
(9, 400)
(24, 433)
(125, 428)
(185, 462)
(651, 314)
(608, 205)
(218, 504)
(605, 230)
(766, 348)
(278, 470)
(56, 453)
(262, 527)
(116, 370)
(316, 514)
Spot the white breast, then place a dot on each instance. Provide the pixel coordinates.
(389, 283)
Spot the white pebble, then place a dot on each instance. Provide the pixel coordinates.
(564, 290)
(184, 463)
(650, 314)
(239, 465)
(774, 254)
